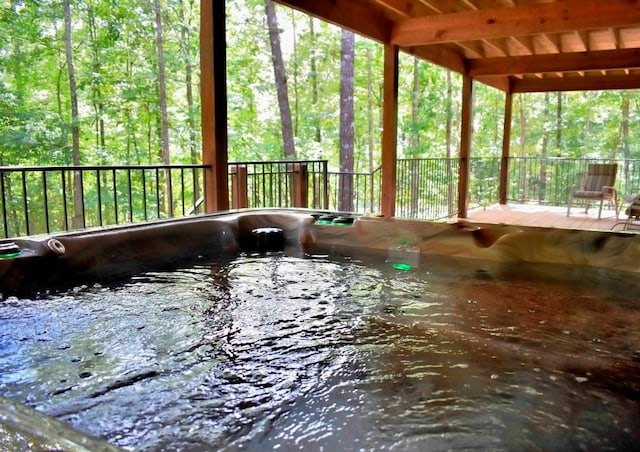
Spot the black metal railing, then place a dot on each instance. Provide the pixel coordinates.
(355, 191)
(37, 200)
(426, 188)
(550, 180)
(281, 183)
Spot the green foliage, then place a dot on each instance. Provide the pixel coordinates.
(117, 82)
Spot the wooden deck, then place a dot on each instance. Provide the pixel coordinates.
(546, 216)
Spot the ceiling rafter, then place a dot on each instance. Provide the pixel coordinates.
(583, 36)
(615, 37)
(525, 42)
(524, 20)
(570, 62)
(403, 8)
(473, 47)
(499, 45)
(585, 83)
(553, 41)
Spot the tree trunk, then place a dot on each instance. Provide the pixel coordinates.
(78, 207)
(314, 82)
(164, 119)
(587, 124)
(370, 124)
(451, 188)
(96, 92)
(415, 110)
(191, 108)
(296, 96)
(347, 121)
(414, 148)
(281, 81)
(626, 151)
(542, 176)
(523, 140)
(559, 122)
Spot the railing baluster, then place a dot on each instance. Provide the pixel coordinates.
(182, 196)
(25, 203)
(194, 181)
(130, 195)
(65, 208)
(169, 196)
(46, 201)
(158, 193)
(144, 195)
(115, 196)
(84, 214)
(99, 191)
(5, 212)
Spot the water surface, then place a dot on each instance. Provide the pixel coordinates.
(308, 353)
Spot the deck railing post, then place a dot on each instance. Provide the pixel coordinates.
(300, 185)
(239, 187)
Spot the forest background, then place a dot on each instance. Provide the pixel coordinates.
(105, 82)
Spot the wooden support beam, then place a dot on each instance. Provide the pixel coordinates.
(389, 131)
(586, 83)
(355, 15)
(567, 62)
(503, 83)
(441, 56)
(466, 132)
(534, 18)
(213, 92)
(506, 142)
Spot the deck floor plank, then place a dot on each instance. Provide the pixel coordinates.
(545, 216)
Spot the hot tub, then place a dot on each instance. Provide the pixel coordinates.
(267, 329)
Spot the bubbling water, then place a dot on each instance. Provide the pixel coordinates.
(267, 352)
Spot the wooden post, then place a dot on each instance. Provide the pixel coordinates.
(506, 142)
(239, 187)
(213, 94)
(466, 132)
(300, 185)
(389, 130)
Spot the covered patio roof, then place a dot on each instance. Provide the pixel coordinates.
(513, 45)
(516, 46)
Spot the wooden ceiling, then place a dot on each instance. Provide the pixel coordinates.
(513, 45)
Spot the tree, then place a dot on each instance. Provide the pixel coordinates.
(164, 119)
(281, 81)
(347, 122)
(75, 128)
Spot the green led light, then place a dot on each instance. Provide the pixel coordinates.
(9, 255)
(403, 267)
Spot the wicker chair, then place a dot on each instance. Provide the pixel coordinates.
(597, 185)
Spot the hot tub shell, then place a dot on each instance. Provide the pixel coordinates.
(96, 255)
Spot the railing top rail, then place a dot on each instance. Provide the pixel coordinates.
(575, 159)
(270, 162)
(97, 167)
(352, 173)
